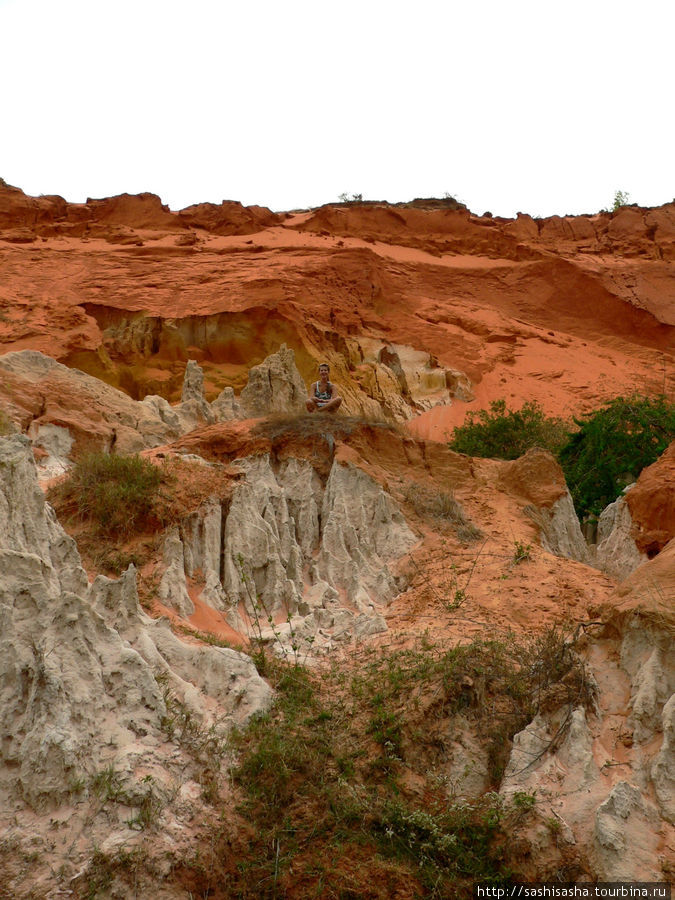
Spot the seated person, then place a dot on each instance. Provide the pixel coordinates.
(323, 395)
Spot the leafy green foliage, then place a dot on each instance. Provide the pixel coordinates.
(612, 447)
(608, 451)
(503, 433)
(325, 776)
(500, 685)
(521, 552)
(621, 198)
(120, 494)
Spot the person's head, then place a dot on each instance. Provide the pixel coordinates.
(324, 370)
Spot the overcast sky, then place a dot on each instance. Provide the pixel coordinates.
(543, 107)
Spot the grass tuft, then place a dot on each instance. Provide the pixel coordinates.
(118, 494)
(441, 505)
(7, 425)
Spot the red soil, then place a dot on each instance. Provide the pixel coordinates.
(565, 311)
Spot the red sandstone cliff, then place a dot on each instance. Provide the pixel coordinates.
(460, 308)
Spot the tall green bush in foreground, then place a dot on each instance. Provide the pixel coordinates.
(344, 781)
(612, 446)
(504, 433)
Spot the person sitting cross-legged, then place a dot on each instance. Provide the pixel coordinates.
(323, 395)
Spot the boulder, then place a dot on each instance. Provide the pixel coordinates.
(652, 504)
(537, 477)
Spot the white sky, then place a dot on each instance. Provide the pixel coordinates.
(533, 105)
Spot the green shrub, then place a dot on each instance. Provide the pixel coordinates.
(621, 198)
(521, 552)
(611, 448)
(449, 842)
(121, 494)
(349, 765)
(608, 451)
(503, 433)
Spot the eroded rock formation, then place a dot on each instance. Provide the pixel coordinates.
(86, 677)
(287, 547)
(616, 551)
(274, 386)
(413, 306)
(606, 777)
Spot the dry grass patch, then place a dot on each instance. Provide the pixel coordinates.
(115, 506)
(117, 495)
(306, 425)
(120, 496)
(7, 425)
(441, 505)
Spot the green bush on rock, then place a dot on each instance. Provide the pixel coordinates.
(504, 433)
(612, 446)
(605, 451)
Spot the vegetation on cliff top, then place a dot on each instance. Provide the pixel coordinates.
(118, 503)
(120, 494)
